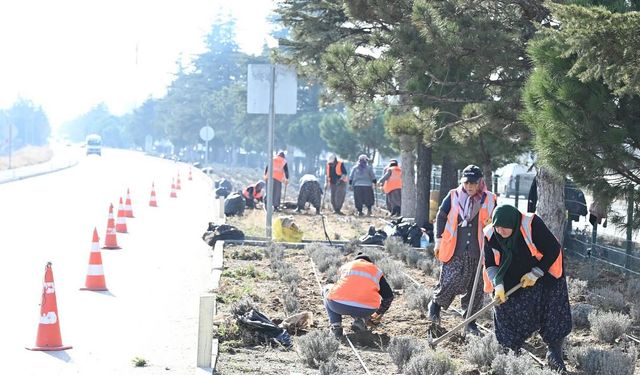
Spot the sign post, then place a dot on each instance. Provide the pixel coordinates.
(207, 134)
(271, 89)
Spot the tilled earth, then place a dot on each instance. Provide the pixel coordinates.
(267, 290)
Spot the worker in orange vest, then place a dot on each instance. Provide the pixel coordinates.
(361, 292)
(253, 194)
(391, 184)
(280, 176)
(520, 249)
(459, 241)
(336, 182)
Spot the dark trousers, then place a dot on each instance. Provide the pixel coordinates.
(363, 196)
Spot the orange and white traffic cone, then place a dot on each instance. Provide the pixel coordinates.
(49, 338)
(121, 220)
(128, 211)
(190, 178)
(152, 200)
(95, 276)
(173, 190)
(110, 240)
(178, 183)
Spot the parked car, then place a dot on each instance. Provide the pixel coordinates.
(507, 179)
(524, 184)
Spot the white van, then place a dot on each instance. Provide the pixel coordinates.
(94, 144)
(507, 179)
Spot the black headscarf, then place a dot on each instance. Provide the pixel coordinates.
(506, 216)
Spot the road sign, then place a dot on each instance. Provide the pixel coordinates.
(259, 89)
(206, 133)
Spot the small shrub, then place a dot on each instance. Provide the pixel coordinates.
(634, 312)
(332, 274)
(317, 347)
(290, 302)
(510, 364)
(353, 246)
(418, 298)
(375, 255)
(412, 257)
(288, 274)
(324, 256)
(608, 326)
(580, 314)
(243, 306)
(330, 368)
(246, 254)
(392, 272)
(394, 246)
(139, 362)
(481, 351)
(401, 349)
(594, 361)
(607, 299)
(577, 288)
(429, 266)
(430, 363)
(275, 253)
(632, 289)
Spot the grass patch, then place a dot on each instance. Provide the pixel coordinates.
(242, 272)
(139, 362)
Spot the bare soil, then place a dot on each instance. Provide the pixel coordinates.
(267, 289)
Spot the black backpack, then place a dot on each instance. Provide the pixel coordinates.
(221, 192)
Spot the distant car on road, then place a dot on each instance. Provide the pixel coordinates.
(94, 144)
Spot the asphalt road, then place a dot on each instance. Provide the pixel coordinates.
(154, 281)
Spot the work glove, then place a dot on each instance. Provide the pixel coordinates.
(530, 278)
(499, 294)
(374, 320)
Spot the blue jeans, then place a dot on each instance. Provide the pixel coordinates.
(335, 310)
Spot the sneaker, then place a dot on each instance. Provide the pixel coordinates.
(358, 325)
(337, 332)
(434, 312)
(472, 328)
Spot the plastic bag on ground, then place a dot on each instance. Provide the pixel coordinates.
(286, 230)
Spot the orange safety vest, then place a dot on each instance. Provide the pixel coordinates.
(256, 195)
(450, 234)
(358, 286)
(278, 169)
(394, 181)
(338, 169)
(525, 227)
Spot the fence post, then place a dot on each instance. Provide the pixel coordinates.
(629, 228)
(594, 240)
(495, 184)
(517, 189)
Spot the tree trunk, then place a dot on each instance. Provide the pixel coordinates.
(407, 147)
(423, 183)
(448, 177)
(550, 206)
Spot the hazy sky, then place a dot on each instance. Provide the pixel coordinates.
(69, 55)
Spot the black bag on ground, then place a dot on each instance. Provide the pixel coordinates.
(373, 237)
(265, 329)
(221, 192)
(234, 204)
(221, 232)
(410, 233)
(223, 183)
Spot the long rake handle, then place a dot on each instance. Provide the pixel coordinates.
(436, 341)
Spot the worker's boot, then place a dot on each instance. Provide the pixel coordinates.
(358, 325)
(554, 355)
(434, 312)
(368, 211)
(336, 329)
(472, 328)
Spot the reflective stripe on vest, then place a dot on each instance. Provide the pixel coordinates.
(525, 228)
(394, 181)
(359, 285)
(450, 234)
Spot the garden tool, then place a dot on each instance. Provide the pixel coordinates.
(473, 293)
(433, 342)
(324, 194)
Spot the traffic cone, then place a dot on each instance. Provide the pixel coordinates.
(128, 211)
(110, 241)
(178, 183)
(121, 221)
(95, 276)
(190, 178)
(173, 190)
(49, 338)
(152, 201)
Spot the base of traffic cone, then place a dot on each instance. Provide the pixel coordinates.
(111, 247)
(95, 289)
(48, 348)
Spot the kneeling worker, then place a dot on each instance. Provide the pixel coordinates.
(362, 292)
(253, 194)
(310, 191)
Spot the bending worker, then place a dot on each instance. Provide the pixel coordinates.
(253, 194)
(521, 249)
(310, 191)
(361, 291)
(463, 214)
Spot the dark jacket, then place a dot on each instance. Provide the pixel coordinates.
(523, 261)
(387, 296)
